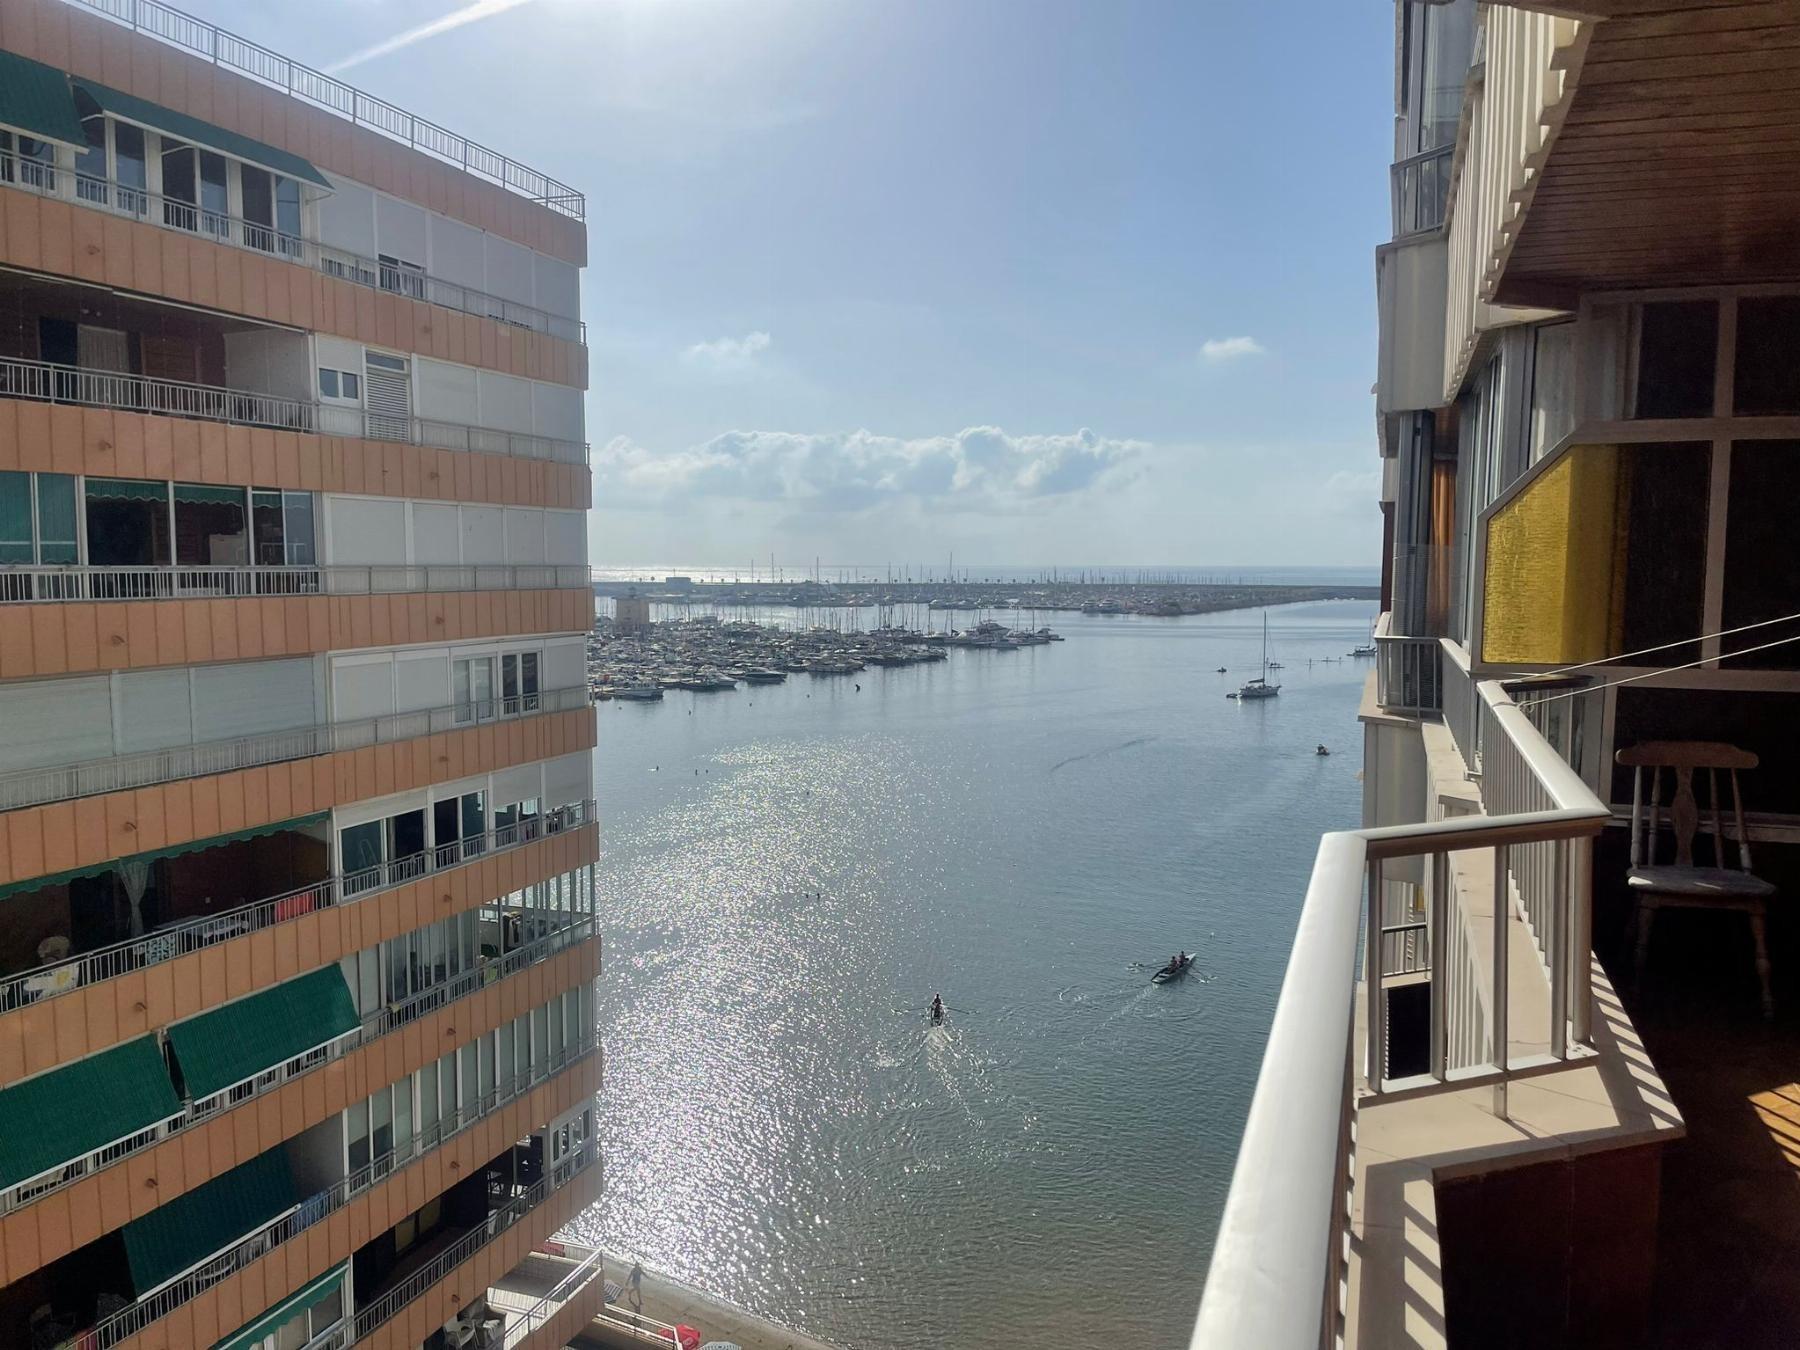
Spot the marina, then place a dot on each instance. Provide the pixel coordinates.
(640, 661)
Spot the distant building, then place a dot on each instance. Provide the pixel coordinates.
(678, 583)
(297, 969)
(631, 613)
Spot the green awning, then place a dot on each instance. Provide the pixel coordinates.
(192, 129)
(69, 1112)
(36, 99)
(178, 1236)
(285, 1311)
(311, 822)
(240, 1040)
(127, 490)
(200, 494)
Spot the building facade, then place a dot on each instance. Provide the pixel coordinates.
(298, 939)
(1531, 1077)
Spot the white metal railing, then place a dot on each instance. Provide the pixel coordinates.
(219, 227)
(223, 48)
(134, 1317)
(369, 1318)
(519, 1325)
(1461, 706)
(34, 787)
(1421, 188)
(1278, 1263)
(378, 1023)
(192, 935)
(22, 584)
(1409, 673)
(47, 382)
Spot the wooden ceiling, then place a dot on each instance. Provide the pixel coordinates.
(1678, 162)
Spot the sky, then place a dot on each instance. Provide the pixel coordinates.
(1026, 281)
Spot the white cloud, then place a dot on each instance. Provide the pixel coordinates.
(1230, 349)
(728, 353)
(977, 469)
(468, 14)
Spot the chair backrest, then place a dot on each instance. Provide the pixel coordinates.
(1681, 760)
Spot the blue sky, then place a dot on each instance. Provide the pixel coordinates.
(1030, 280)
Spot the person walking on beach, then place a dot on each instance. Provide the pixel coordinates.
(634, 1285)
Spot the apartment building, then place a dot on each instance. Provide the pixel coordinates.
(1534, 1077)
(297, 917)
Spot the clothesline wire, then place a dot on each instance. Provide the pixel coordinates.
(1652, 674)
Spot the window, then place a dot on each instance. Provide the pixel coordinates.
(210, 529)
(356, 1135)
(1552, 386)
(128, 523)
(360, 855)
(485, 1058)
(472, 689)
(403, 1113)
(521, 1028)
(428, 1101)
(1677, 352)
(271, 211)
(130, 167)
(474, 823)
(283, 526)
(37, 518)
(446, 1067)
(507, 1056)
(465, 1073)
(1662, 494)
(381, 1126)
(345, 385)
(1760, 582)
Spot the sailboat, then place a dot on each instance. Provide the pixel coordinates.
(1259, 687)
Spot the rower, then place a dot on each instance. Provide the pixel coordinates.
(937, 1008)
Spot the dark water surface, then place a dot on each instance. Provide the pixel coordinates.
(790, 872)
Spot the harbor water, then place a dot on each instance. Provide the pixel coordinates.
(788, 874)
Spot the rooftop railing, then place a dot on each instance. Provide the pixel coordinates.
(34, 787)
(196, 934)
(220, 227)
(227, 49)
(378, 1023)
(21, 584)
(134, 1317)
(1278, 1265)
(46, 382)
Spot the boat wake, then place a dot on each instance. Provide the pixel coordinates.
(1106, 750)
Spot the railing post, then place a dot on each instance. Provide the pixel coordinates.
(1440, 965)
(1498, 1007)
(1375, 1059)
(1558, 959)
(1581, 939)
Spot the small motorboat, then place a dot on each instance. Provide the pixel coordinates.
(1221, 670)
(1173, 971)
(1321, 751)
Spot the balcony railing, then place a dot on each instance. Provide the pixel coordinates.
(165, 944)
(1278, 1263)
(34, 787)
(219, 227)
(378, 1023)
(521, 1324)
(134, 1317)
(223, 48)
(21, 584)
(46, 382)
(1421, 188)
(1409, 673)
(370, 1318)
(1462, 708)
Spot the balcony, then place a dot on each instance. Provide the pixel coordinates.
(1484, 1037)
(1421, 191)
(89, 1280)
(1409, 674)
(48, 382)
(219, 227)
(556, 1294)
(184, 935)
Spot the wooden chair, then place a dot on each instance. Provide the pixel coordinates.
(1682, 882)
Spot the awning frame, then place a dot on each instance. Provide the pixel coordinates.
(195, 131)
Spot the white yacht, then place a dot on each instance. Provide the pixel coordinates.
(1260, 686)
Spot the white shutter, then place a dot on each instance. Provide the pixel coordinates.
(387, 394)
(558, 286)
(155, 710)
(55, 722)
(253, 697)
(436, 533)
(508, 269)
(565, 536)
(524, 783)
(505, 402)
(367, 530)
(566, 780)
(447, 393)
(363, 689)
(556, 411)
(483, 535)
(524, 535)
(565, 664)
(347, 217)
(422, 682)
(456, 253)
(400, 230)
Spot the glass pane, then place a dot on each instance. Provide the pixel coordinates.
(215, 204)
(1677, 352)
(521, 1046)
(446, 819)
(15, 517)
(293, 1334)
(1767, 381)
(474, 816)
(381, 1123)
(180, 183)
(485, 1054)
(459, 690)
(265, 520)
(447, 1088)
(128, 155)
(352, 385)
(328, 382)
(528, 678)
(328, 1311)
(1761, 581)
(259, 199)
(509, 676)
(1663, 493)
(360, 849)
(465, 1072)
(508, 1051)
(91, 162)
(428, 1098)
(301, 549)
(407, 838)
(356, 1133)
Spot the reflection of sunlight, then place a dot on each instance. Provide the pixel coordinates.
(1779, 1111)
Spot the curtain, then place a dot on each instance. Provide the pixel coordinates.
(135, 874)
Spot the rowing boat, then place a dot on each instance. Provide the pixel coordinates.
(1173, 971)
